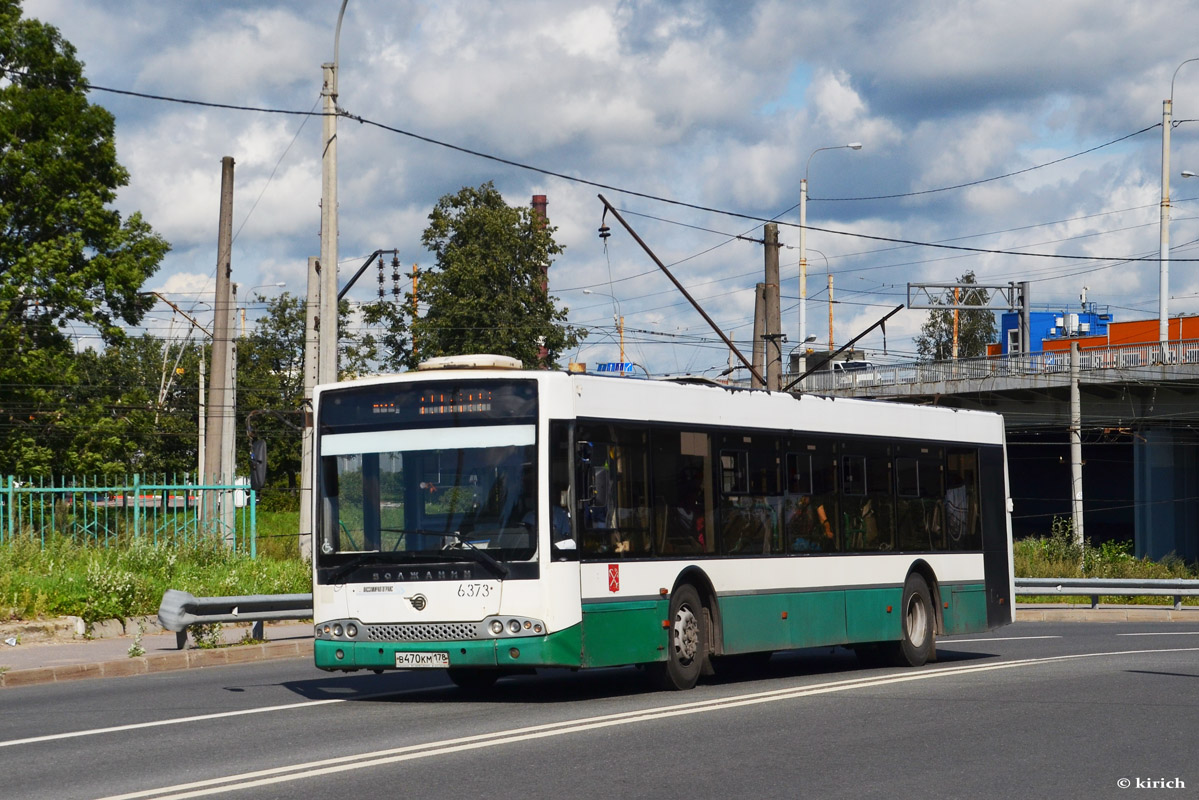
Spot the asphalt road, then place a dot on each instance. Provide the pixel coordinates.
(1035, 710)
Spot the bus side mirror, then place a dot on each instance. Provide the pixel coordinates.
(258, 464)
(584, 449)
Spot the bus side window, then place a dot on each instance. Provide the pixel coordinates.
(612, 508)
(961, 499)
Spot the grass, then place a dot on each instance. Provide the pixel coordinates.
(1057, 556)
(127, 579)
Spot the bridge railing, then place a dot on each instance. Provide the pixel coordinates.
(1013, 365)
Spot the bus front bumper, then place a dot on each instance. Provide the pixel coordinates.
(561, 649)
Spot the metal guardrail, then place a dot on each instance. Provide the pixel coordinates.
(179, 610)
(1097, 587)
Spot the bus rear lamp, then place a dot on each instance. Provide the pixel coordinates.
(514, 626)
(497, 627)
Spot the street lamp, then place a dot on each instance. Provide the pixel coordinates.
(618, 318)
(241, 309)
(803, 242)
(1163, 279)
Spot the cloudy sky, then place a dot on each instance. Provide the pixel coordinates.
(1027, 108)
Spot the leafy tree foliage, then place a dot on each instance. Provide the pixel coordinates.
(138, 406)
(976, 329)
(270, 388)
(66, 257)
(487, 292)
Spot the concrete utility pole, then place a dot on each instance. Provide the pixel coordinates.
(219, 394)
(1075, 447)
(773, 336)
(1163, 278)
(327, 359)
(229, 429)
(327, 363)
(311, 347)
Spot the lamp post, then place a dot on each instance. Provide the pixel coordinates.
(803, 243)
(241, 310)
(618, 318)
(1163, 278)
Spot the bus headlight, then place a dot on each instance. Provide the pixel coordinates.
(510, 626)
(352, 631)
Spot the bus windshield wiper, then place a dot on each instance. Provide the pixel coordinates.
(459, 543)
(479, 555)
(365, 558)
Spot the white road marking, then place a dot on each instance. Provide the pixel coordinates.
(995, 639)
(307, 770)
(133, 726)
(1162, 633)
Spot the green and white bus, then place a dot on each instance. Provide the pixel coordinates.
(486, 520)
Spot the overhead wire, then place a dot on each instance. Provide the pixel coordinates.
(648, 196)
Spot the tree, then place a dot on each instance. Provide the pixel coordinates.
(66, 257)
(270, 388)
(976, 329)
(487, 291)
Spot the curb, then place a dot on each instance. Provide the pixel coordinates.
(61, 629)
(159, 662)
(1108, 614)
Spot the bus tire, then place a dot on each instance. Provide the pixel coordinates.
(916, 645)
(686, 642)
(471, 679)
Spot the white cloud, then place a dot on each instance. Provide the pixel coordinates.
(667, 99)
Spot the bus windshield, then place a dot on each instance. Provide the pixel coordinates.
(415, 488)
(417, 493)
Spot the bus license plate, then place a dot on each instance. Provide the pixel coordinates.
(407, 660)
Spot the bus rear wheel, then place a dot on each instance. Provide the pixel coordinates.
(686, 645)
(916, 645)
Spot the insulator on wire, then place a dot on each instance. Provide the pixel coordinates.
(604, 231)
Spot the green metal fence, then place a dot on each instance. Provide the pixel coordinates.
(101, 512)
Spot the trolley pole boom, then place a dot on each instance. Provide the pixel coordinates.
(684, 292)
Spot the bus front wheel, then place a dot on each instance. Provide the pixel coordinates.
(916, 647)
(686, 645)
